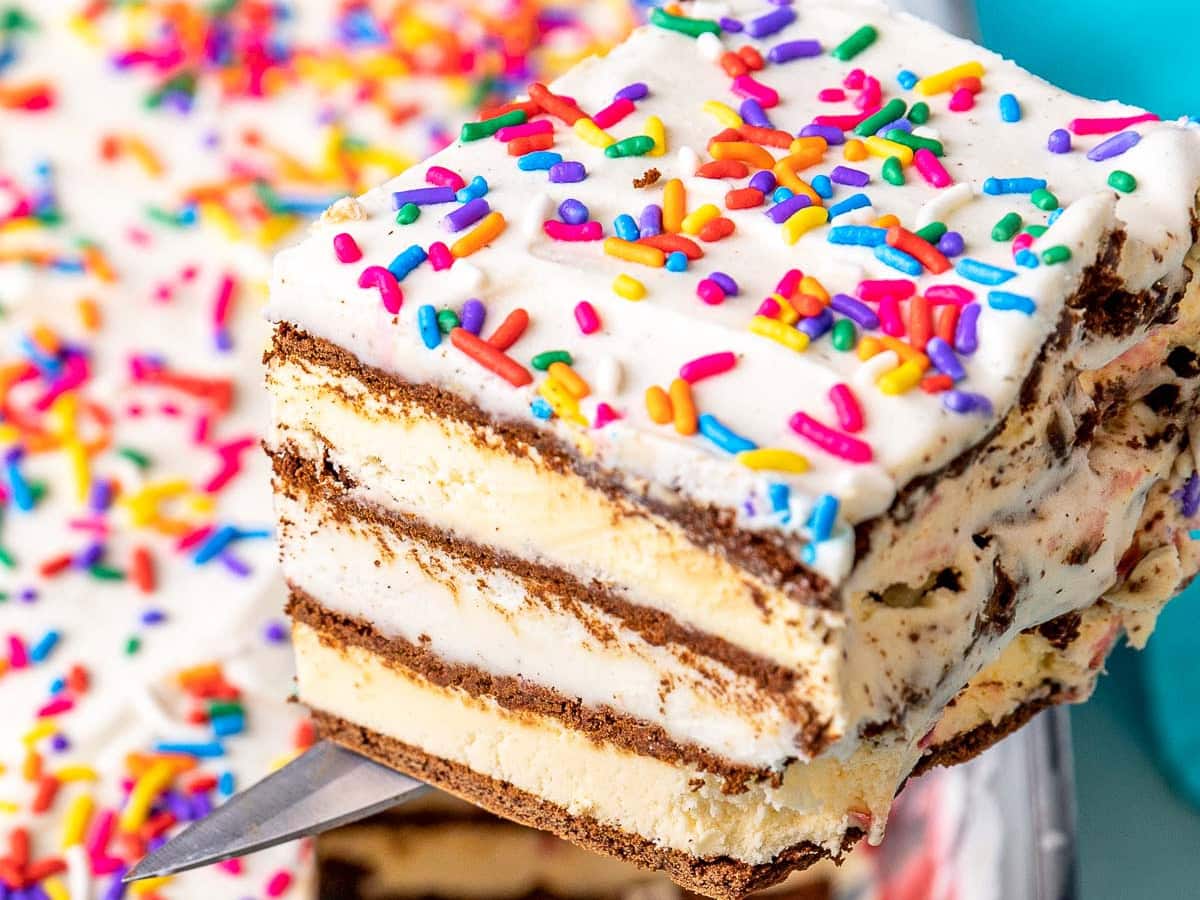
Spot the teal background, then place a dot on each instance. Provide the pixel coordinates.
(1139, 837)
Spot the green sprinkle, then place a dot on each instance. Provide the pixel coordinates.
(473, 131)
(844, 335)
(542, 361)
(102, 572)
(638, 145)
(932, 232)
(890, 112)
(37, 490)
(6, 559)
(855, 44)
(1006, 227)
(1036, 230)
(1056, 254)
(133, 645)
(139, 459)
(1120, 180)
(447, 320)
(3, 596)
(919, 114)
(164, 217)
(690, 27)
(224, 708)
(916, 142)
(1043, 199)
(892, 171)
(408, 214)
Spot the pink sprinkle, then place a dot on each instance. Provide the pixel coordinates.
(707, 366)
(710, 292)
(949, 293)
(525, 129)
(221, 306)
(745, 86)
(584, 231)
(443, 177)
(831, 95)
(439, 256)
(842, 123)
(18, 658)
(200, 430)
(931, 168)
(106, 865)
(193, 538)
(890, 320)
(604, 415)
(163, 293)
(389, 288)
(99, 835)
(188, 273)
(789, 283)
(279, 883)
(56, 706)
(614, 112)
(834, 442)
(845, 404)
(1107, 126)
(962, 100)
(232, 866)
(1021, 242)
(346, 248)
(871, 97)
(769, 308)
(138, 236)
(854, 79)
(878, 288)
(585, 315)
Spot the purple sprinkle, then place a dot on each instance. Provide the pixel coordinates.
(635, 91)
(753, 113)
(854, 309)
(764, 180)
(473, 313)
(1059, 141)
(727, 284)
(966, 340)
(27, 595)
(966, 402)
(178, 806)
(789, 50)
(422, 196)
(275, 632)
(769, 23)
(847, 175)
(781, 212)
(1189, 497)
(152, 616)
(833, 136)
(13, 455)
(943, 357)
(201, 806)
(901, 125)
(951, 244)
(815, 326)
(567, 172)
(466, 215)
(234, 565)
(116, 887)
(650, 221)
(1114, 146)
(59, 743)
(90, 555)
(100, 495)
(572, 211)
(730, 25)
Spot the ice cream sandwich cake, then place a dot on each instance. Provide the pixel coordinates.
(793, 399)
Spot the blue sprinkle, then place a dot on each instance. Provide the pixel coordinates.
(39, 651)
(898, 259)
(1010, 108)
(823, 517)
(1004, 300)
(823, 186)
(477, 187)
(427, 324)
(541, 409)
(780, 496)
(677, 261)
(851, 203)
(723, 437)
(997, 186)
(982, 273)
(225, 783)
(152, 616)
(626, 228)
(201, 749)
(1026, 259)
(215, 543)
(406, 261)
(780, 194)
(228, 724)
(58, 685)
(538, 161)
(906, 79)
(1054, 216)
(857, 235)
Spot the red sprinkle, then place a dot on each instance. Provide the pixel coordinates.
(744, 198)
(141, 570)
(920, 322)
(723, 168)
(490, 358)
(510, 330)
(716, 229)
(670, 243)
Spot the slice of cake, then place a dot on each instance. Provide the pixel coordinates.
(697, 448)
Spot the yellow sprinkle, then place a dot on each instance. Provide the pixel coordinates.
(593, 133)
(814, 288)
(698, 218)
(44, 728)
(220, 218)
(868, 346)
(44, 338)
(901, 379)
(674, 205)
(31, 766)
(77, 772)
(774, 459)
(9, 434)
(149, 885)
(779, 333)
(809, 146)
(489, 228)
(274, 229)
(654, 129)
(726, 115)
(145, 791)
(75, 823)
(9, 806)
(803, 221)
(569, 379)
(628, 287)
(564, 405)
(80, 474)
(143, 155)
(394, 163)
(854, 151)
(55, 889)
(787, 313)
(658, 405)
(944, 81)
(878, 146)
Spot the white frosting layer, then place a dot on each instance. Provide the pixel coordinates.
(646, 342)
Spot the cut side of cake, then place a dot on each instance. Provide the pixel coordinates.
(695, 450)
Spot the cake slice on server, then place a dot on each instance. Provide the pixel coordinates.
(696, 449)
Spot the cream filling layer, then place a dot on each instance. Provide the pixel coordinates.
(488, 620)
(675, 807)
(439, 470)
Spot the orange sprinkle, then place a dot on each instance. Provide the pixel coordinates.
(489, 228)
(920, 322)
(674, 205)
(671, 243)
(658, 405)
(645, 254)
(745, 151)
(947, 322)
(683, 407)
(521, 146)
(770, 137)
(904, 351)
(854, 151)
(807, 305)
(89, 314)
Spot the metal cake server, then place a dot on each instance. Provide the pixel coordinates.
(324, 787)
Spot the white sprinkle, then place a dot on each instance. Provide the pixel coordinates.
(606, 377)
(79, 871)
(708, 9)
(869, 370)
(944, 204)
(689, 161)
(540, 208)
(926, 132)
(467, 277)
(864, 215)
(709, 46)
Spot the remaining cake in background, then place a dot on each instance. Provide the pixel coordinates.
(696, 449)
